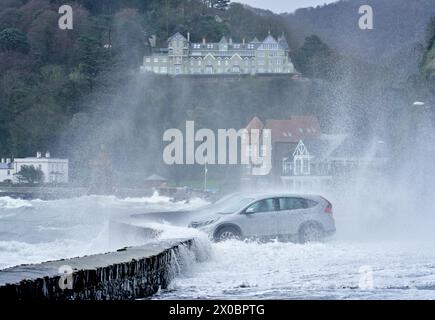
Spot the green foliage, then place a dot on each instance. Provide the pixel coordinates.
(52, 79)
(314, 59)
(30, 175)
(428, 66)
(12, 39)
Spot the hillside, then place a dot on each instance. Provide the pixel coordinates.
(428, 64)
(48, 75)
(397, 39)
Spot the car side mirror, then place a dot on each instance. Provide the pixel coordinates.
(249, 211)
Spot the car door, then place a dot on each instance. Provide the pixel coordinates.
(291, 215)
(260, 218)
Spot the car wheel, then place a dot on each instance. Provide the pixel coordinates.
(227, 233)
(311, 233)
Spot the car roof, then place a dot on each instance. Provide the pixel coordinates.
(263, 195)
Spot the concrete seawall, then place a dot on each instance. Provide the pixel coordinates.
(129, 273)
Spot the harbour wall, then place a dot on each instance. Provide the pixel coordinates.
(129, 273)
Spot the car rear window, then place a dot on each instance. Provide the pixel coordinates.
(289, 203)
(310, 203)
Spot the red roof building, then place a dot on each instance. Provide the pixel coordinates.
(294, 129)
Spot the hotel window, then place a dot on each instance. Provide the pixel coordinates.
(226, 62)
(147, 59)
(209, 46)
(199, 62)
(196, 46)
(156, 60)
(237, 46)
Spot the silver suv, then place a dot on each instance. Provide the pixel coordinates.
(302, 218)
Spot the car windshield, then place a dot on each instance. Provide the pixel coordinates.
(233, 205)
(228, 204)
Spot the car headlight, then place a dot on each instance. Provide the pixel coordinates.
(198, 224)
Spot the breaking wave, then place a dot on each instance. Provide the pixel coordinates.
(11, 203)
(33, 231)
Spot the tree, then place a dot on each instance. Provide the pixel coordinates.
(428, 65)
(12, 39)
(91, 59)
(29, 174)
(314, 59)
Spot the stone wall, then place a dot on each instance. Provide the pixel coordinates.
(129, 273)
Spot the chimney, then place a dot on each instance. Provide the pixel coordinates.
(203, 40)
(244, 40)
(188, 37)
(230, 40)
(38, 154)
(47, 154)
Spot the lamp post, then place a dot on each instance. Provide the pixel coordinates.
(205, 174)
(424, 152)
(424, 131)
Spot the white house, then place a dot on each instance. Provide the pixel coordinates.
(6, 170)
(55, 170)
(302, 169)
